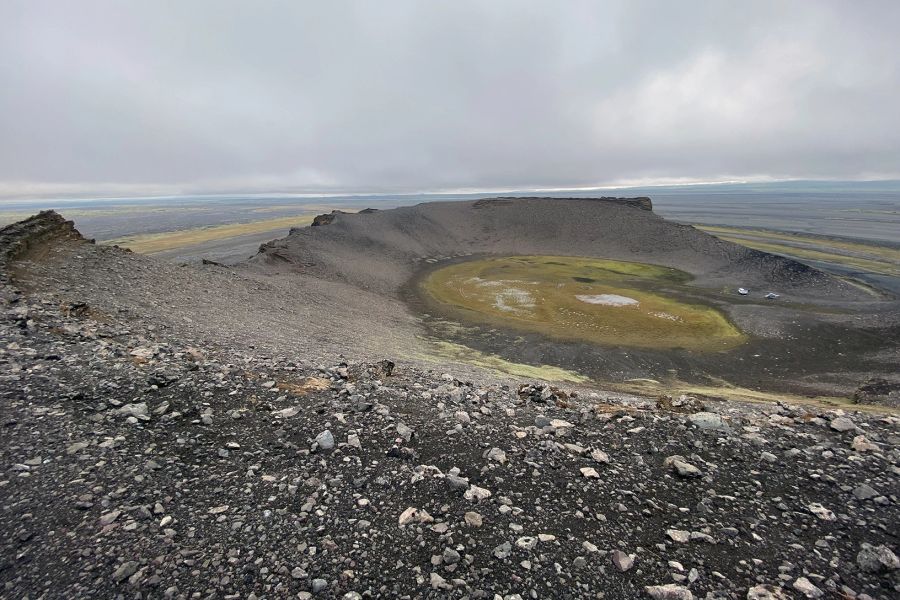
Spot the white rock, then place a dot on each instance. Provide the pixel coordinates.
(404, 431)
(473, 519)
(77, 447)
(477, 494)
(765, 592)
(600, 456)
(678, 535)
(143, 352)
(287, 413)
(414, 515)
(110, 517)
(681, 466)
(821, 512)
(805, 587)
(702, 537)
(842, 424)
(438, 582)
(496, 455)
(862, 444)
(575, 449)
(527, 542)
(670, 591)
(873, 559)
(708, 421)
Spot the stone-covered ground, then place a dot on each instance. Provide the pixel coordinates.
(145, 454)
(137, 466)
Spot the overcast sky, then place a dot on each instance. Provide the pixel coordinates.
(134, 97)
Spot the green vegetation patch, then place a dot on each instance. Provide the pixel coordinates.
(856, 255)
(152, 243)
(443, 351)
(583, 299)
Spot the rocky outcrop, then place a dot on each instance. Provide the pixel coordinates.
(23, 237)
(641, 202)
(327, 218)
(48, 225)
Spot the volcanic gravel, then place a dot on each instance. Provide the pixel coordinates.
(144, 457)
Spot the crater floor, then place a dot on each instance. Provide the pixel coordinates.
(611, 303)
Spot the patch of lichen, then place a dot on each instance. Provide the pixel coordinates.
(721, 390)
(540, 294)
(440, 351)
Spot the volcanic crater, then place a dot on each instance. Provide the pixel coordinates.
(686, 322)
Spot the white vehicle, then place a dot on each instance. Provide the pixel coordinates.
(743, 291)
(772, 296)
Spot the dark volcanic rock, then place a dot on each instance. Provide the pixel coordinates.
(326, 219)
(34, 234)
(878, 391)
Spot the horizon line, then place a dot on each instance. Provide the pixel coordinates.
(625, 185)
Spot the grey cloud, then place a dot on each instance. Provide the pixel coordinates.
(409, 95)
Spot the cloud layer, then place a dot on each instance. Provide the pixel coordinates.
(214, 95)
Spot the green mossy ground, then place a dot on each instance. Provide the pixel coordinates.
(539, 294)
(441, 352)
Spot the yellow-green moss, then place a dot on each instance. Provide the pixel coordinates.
(857, 255)
(442, 351)
(540, 294)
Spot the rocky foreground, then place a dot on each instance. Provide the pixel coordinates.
(145, 457)
(138, 466)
